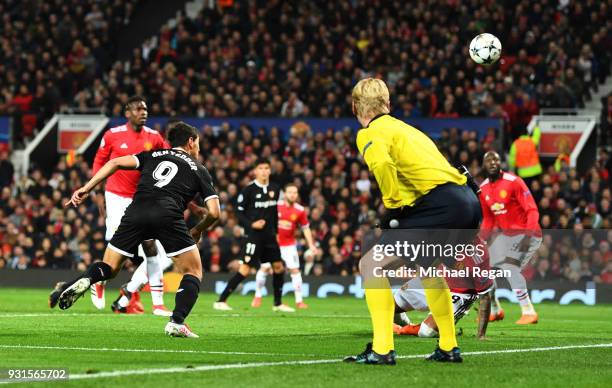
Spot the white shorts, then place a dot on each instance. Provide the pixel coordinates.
(412, 297)
(290, 256)
(504, 246)
(115, 208)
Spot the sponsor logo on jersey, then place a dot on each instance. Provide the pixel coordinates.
(265, 204)
(498, 208)
(258, 196)
(284, 224)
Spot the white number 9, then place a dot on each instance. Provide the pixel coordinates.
(164, 172)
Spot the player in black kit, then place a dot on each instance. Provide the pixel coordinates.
(169, 180)
(258, 216)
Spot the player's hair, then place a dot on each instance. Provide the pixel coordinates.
(172, 121)
(262, 161)
(134, 99)
(180, 134)
(291, 184)
(371, 97)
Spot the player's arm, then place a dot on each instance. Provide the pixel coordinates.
(103, 153)
(488, 221)
(102, 156)
(211, 199)
(527, 203)
(307, 232)
(211, 216)
(484, 310)
(376, 155)
(128, 162)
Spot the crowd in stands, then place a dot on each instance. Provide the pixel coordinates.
(51, 50)
(271, 58)
(342, 198)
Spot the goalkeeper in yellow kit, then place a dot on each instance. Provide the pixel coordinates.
(421, 190)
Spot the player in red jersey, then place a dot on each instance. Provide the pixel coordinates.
(131, 138)
(511, 224)
(290, 215)
(465, 290)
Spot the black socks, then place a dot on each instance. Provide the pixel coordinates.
(185, 298)
(278, 279)
(231, 286)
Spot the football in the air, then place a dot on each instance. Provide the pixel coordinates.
(485, 49)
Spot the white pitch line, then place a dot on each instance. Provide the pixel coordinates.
(304, 362)
(33, 315)
(41, 347)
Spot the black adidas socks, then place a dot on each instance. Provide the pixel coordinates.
(185, 298)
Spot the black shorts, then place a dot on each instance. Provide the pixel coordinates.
(261, 249)
(448, 206)
(152, 220)
(449, 214)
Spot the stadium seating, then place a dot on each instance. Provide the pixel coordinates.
(301, 59)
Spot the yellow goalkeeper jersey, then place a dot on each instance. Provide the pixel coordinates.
(405, 162)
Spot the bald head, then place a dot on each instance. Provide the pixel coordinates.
(492, 165)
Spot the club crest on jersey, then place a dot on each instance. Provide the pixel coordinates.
(293, 217)
(498, 208)
(503, 194)
(271, 194)
(148, 146)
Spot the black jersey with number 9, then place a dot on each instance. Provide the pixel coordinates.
(172, 176)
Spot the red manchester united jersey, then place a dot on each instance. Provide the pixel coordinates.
(120, 141)
(476, 280)
(507, 204)
(289, 216)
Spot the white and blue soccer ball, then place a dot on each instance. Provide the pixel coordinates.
(485, 49)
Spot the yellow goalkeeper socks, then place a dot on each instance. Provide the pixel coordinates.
(439, 300)
(381, 306)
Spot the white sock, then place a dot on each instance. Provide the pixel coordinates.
(260, 281)
(156, 279)
(519, 286)
(524, 301)
(427, 332)
(123, 301)
(139, 278)
(296, 280)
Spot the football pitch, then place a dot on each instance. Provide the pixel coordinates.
(571, 346)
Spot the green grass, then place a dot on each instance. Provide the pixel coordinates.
(329, 330)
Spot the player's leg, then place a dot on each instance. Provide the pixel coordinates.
(232, 284)
(271, 252)
(96, 272)
(514, 261)
(115, 209)
(252, 253)
(155, 271)
(497, 254)
(291, 259)
(278, 280)
(260, 283)
(128, 301)
(381, 305)
(409, 297)
(190, 265)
